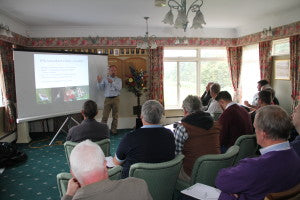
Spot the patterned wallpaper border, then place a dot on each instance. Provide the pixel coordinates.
(94, 42)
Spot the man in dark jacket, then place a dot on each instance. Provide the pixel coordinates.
(235, 121)
(89, 127)
(197, 135)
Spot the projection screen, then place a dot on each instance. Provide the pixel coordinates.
(50, 84)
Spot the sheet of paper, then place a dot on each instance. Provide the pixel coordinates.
(109, 162)
(203, 192)
(170, 127)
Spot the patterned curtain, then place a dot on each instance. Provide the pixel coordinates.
(265, 60)
(295, 68)
(7, 78)
(234, 55)
(156, 74)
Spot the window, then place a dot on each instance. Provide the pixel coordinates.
(281, 47)
(188, 70)
(250, 72)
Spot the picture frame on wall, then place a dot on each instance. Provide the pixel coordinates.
(282, 69)
(116, 52)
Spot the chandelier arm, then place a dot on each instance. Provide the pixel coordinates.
(191, 6)
(179, 5)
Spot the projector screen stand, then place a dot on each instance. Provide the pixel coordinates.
(68, 119)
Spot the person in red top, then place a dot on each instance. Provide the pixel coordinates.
(235, 121)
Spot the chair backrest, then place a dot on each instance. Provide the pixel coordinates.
(206, 167)
(63, 178)
(248, 147)
(291, 194)
(104, 144)
(160, 177)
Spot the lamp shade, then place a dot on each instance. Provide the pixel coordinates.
(198, 20)
(181, 20)
(169, 18)
(160, 3)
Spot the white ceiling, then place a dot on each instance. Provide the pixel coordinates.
(61, 18)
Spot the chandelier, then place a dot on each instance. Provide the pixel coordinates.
(183, 12)
(147, 42)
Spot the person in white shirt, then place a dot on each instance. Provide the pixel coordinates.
(214, 108)
(112, 86)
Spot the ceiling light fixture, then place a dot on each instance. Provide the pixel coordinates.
(147, 42)
(181, 41)
(183, 13)
(266, 33)
(160, 3)
(4, 31)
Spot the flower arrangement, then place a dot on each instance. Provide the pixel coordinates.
(137, 82)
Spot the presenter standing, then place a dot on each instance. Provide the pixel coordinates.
(112, 86)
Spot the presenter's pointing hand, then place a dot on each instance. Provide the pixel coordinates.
(99, 78)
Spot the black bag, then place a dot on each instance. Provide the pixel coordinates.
(10, 156)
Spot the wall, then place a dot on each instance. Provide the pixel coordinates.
(283, 90)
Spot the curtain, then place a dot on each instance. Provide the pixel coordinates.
(234, 55)
(265, 60)
(156, 74)
(295, 68)
(7, 78)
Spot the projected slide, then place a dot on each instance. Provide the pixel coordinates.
(61, 78)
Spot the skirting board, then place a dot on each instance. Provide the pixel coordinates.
(124, 123)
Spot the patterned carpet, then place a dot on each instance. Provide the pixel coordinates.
(36, 178)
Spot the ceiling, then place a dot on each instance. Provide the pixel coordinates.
(60, 18)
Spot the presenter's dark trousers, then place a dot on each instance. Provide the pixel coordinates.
(111, 104)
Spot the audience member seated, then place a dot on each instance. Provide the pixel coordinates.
(90, 178)
(205, 98)
(296, 122)
(235, 121)
(262, 85)
(89, 127)
(255, 97)
(264, 99)
(152, 143)
(214, 107)
(276, 170)
(197, 135)
(274, 100)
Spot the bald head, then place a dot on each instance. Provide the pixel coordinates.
(88, 163)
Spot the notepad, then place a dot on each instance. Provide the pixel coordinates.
(202, 192)
(109, 162)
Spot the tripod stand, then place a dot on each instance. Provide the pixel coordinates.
(68, 119)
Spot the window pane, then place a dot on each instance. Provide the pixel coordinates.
(282, 49)
(250, 72)
(180, 53)
(215, 71)
(188, 80)
(170, 84)
(213, 53)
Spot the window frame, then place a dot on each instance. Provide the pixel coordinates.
(198, 59)
(279, 41)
